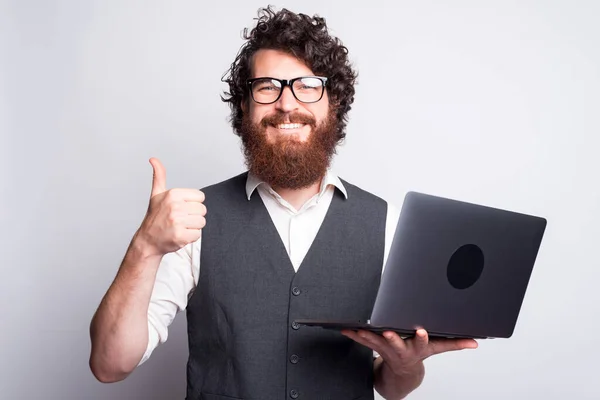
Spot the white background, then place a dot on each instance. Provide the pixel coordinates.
(493, 102)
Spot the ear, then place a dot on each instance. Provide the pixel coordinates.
(244, 105)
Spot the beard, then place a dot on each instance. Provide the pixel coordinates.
(286, 162)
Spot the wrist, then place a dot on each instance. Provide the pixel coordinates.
(141, 250)
(399, 382)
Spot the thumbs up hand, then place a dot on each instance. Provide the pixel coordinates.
(174, 218)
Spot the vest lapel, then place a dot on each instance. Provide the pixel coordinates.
(268, 238)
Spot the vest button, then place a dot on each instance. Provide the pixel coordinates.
(294, 394)
(294, 359)
(295, 326)
(295, 291)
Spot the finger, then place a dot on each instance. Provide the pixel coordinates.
(438, 346)
(377, 343)
(191, 195)
(192, 235)
(361, 338)
(159, 177)
(387, 346)
(395, 341)
(193, 208)
(195, 195)
(195, 222)
(420, 343)
(466, 344)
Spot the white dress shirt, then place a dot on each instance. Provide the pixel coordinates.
(178, 272)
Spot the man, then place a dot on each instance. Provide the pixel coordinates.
(286, 240)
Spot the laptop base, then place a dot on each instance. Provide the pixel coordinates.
(404, 333)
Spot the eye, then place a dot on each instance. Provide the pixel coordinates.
(266, 88)
(308, 84)
(265, 85)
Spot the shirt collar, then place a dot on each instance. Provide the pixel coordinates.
(253, 182)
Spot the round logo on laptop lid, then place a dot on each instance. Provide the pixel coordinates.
(465, 266)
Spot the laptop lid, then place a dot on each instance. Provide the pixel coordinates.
(457, 268)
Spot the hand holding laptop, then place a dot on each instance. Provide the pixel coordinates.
(401, 360)
(400, 353)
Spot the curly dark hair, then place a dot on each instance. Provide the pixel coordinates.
(307, 39)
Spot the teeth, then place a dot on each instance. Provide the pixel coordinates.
(289, 126)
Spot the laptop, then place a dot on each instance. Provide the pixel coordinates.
(455, 269)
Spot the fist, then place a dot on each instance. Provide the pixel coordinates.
(174, 218)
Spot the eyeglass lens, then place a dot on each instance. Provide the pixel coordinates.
(306, 90)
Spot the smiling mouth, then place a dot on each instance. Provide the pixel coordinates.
(289, 126)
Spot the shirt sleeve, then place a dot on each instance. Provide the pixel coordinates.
(176, 277)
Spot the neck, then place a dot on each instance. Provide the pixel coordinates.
(298, 197)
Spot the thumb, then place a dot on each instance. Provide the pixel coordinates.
(159, 178)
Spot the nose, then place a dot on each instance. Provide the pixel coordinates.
(287, 102)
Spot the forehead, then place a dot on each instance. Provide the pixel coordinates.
(278, 64)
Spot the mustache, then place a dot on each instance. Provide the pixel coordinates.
(289, 118)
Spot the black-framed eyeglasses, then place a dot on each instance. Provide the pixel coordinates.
(306, 89)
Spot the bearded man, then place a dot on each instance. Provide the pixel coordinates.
(287, 239)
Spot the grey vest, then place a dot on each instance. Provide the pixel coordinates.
(243, 342)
